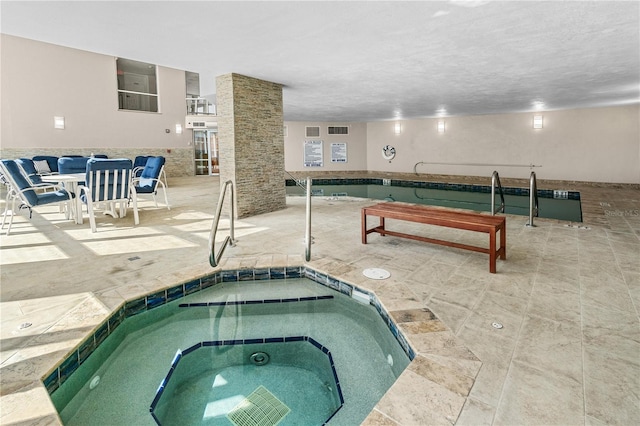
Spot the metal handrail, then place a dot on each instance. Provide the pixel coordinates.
(214, 259)
(296, 180)
(531, 166)
(307, 233)
(533, 198)
(495, 181)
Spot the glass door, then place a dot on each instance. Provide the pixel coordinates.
(205, 144)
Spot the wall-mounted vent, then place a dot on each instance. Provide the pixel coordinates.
(312, 131)
(338, 130)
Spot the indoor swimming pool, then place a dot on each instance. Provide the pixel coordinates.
(312, 351)
(561, 205)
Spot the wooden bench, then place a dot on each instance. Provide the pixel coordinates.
(440, 217)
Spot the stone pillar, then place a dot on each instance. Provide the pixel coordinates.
(251, 142)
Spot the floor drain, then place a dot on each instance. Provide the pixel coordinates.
(260, 408)
(496, 325)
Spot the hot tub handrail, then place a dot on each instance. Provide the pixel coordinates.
(298, 182)
(495, 182)
(214, 258)
(307, 233)
(533, 198)
(415, 167)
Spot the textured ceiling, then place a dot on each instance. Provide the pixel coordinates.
(369, 61)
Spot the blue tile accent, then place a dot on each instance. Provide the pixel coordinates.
(277, 273)
(135, 307)
(102, 333)
(52, 382)
(86, 348)
(293, 272)
(68, 366)
(175, 293)
(245, 275)
(261, 274)
(156, 299)
(294, 339)
(253, 341)
(191, 287)
(274, 340)
(229, 276)
(191, 349)
(210, 280)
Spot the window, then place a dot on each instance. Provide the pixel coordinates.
(137, 86)
(338, 130)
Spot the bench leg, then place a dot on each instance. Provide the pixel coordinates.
(503, 242)
(382, 225)
(363, 217)
(492, 252)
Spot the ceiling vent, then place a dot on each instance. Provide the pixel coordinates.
(338, 130)
(312, 131)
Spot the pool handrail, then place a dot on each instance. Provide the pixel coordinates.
(214, 258)
(495, 182)
(415, 166)
(307, 233)
(298, 182)
(533, 198)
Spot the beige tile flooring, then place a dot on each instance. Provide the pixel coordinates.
(567, 296)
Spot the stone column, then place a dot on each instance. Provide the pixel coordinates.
(251, 142)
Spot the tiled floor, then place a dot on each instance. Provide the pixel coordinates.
(568, 298)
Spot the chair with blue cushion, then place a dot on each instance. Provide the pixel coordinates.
(29, 170)
(21, 190)
(149, 179)
(46, 164)
(138, 164)
(71, 165)
(109, 182)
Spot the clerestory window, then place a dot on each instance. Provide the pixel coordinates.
(137, 86)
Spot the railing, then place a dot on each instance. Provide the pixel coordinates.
(531, 166)
(307, 233)
(495, 182)
(214, 258)
(533, 198)
(297, 181)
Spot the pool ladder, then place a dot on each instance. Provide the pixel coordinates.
(308, 239)
(533, 198)
(214, 258)
(495, 183)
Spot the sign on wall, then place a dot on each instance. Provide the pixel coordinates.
(313, 153)
(339, 152)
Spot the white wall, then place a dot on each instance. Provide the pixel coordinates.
(596, 144)
(41, 80)
(356, 142)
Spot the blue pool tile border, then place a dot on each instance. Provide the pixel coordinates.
(159, 298)
(253, 301)
(542, 193)
(180, 354)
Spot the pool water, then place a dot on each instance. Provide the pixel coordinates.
(134, 360)
(478, 200)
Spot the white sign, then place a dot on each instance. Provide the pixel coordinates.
(313, 153)
(339, 152)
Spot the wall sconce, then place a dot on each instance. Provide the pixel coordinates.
(537, 122)
(178, 128)
(58, 123)
(440, 126)
(397, 128)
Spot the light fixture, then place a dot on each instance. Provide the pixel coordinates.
(440, 126)
(397, 128)
(537, 122)
(58, 122)
(178, 128)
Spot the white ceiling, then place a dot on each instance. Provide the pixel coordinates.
(369, 61)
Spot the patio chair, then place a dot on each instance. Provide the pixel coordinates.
(138, 166)
(149, 179)
(29, 171)
(20, 189)
(109, 182)
(45, 164)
